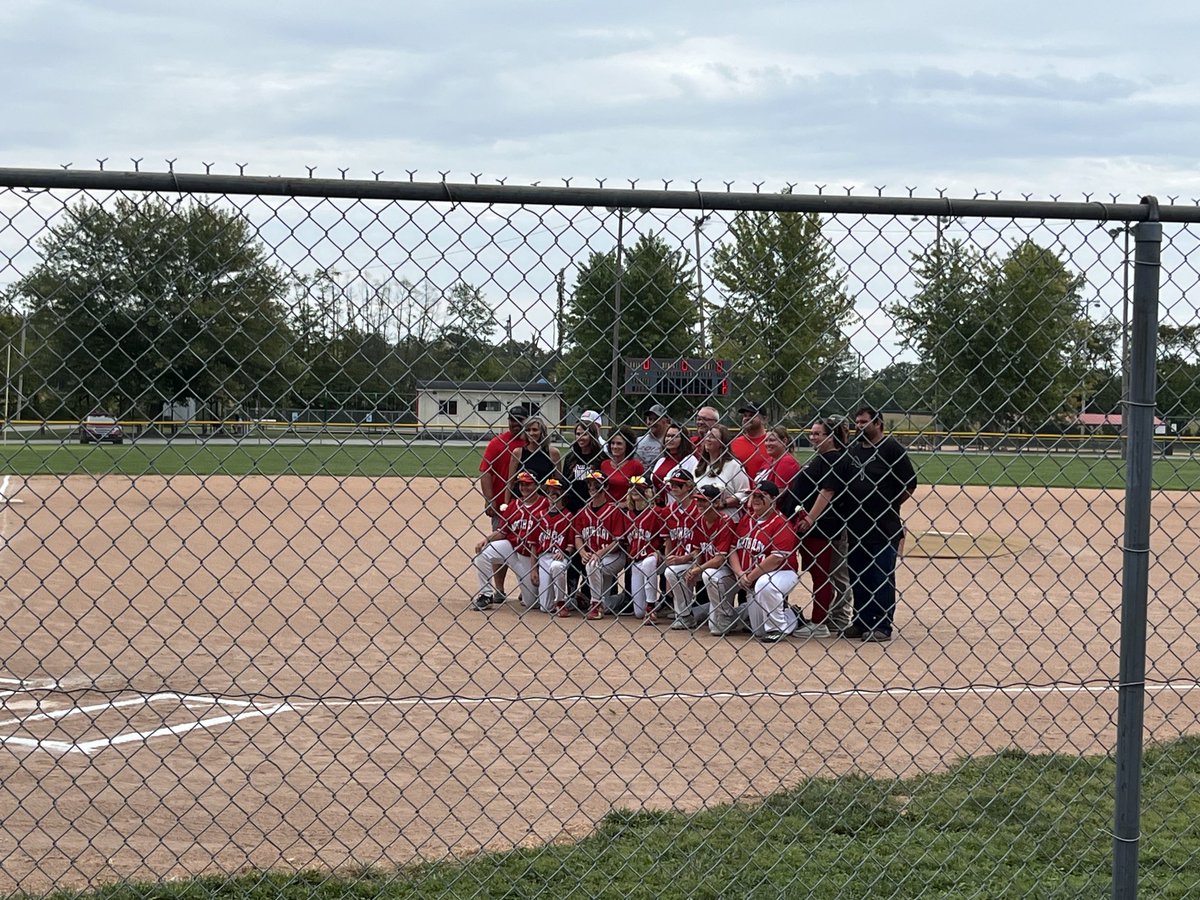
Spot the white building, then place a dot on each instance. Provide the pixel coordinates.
(482, 406)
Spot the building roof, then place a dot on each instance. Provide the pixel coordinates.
(1097, 419)
(541, 386)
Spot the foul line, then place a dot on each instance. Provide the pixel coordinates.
(250, 711)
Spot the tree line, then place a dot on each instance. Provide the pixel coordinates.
(145, 301)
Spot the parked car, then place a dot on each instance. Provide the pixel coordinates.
(96, 429)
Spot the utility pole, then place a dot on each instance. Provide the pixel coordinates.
(1113, 232)
(699, 223)
(616, 329)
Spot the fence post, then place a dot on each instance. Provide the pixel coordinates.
(1136, 563)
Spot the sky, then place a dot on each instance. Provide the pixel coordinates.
(1061, 97)
(1051, 99)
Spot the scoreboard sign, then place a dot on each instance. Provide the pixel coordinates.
(677, 377)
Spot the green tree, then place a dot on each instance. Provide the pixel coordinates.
(658, 318)
(785, 307)
(144, 300)
(1006, 343)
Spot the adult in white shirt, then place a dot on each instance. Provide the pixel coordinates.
(678, 455)
(716, 465)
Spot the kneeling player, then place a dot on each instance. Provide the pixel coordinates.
(765, 565)
(599, 527)
(511, 544)
(643, 543)
(555, 544)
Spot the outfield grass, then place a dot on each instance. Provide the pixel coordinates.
(1012, 825)
(384, 459)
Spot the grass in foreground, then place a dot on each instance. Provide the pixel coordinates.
(403, 460)
(1012, 825)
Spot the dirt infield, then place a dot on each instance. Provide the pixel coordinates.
(207, 674)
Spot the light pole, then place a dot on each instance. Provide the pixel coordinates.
(699, 223)
(621, 212)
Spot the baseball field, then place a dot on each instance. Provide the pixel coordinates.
(223, 658)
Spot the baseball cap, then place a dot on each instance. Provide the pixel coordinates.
(597, 479)
(770, 488)
(552, 484)
(526, 477)
(708, 491)
(681, 476)
(657, 410)
(519, 413)
(638, 483)
(590, 416)
(754, 409)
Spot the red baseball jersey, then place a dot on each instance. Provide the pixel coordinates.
(681, 520)
(780, 472)
(598, 528)
(519, 523)
(556, 532)
(759, 538)
(713, 537)
(497, 459)
(645, 533)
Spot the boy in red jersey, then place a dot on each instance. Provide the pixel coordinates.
(678, 550)
(511, 544)
(599, 528)
(555, 543)
(714, 536)
(643, 544)
(765, 565)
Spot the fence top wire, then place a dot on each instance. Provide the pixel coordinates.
(538, 195)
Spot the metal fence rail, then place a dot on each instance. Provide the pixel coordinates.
(265, 634)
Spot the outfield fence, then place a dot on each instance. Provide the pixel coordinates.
(205, 672)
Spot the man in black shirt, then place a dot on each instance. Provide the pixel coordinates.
(884, 479)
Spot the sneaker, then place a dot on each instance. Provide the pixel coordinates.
(813, 630)
(650, 619)
(499, 598)
(595, 612)
(876, 637)
(772, 637)
(723, 630)
(680, 625)
(483, 602)
(853, 632)
(564, 611)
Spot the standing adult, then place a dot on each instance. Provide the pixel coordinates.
(536, 455)
(649, 447)
(717, 466)
(678, 455)
(582, 459)
(781, 466)
(764, 563)
(495, 471)
(819, 494)
(706, 417)
(884, 480)
(747, 447)
(621, 464)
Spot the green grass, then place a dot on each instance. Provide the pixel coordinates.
(1012, 825)
(1170, 473)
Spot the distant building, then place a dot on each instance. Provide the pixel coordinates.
(478, 406)
(1110, 423)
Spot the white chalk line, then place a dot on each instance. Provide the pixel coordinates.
(250, 711)
(91, 746)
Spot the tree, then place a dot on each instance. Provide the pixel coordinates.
(1007, 343)
(658, 317)
(143, 300)
(781, 324)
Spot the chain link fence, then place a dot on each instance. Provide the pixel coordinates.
(269, 602)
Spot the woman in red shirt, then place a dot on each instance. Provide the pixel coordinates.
(620, 465)
(781, 467)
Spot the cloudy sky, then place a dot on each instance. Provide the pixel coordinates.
(1048, 97)
(1061, 98)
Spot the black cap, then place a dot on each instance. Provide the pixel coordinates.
(520, 412)
(708, 491)
(755, 409)
(770, 488)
